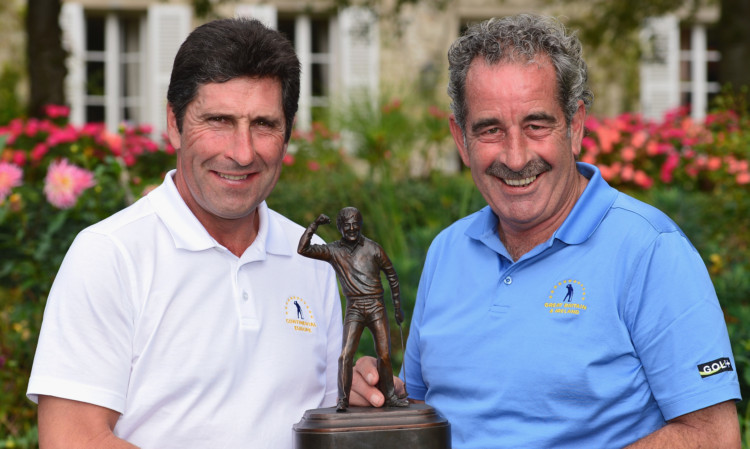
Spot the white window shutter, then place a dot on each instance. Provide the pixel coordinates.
(660, 66)
(73, 25)
(265, 13)
(168, 26)
(359, 44)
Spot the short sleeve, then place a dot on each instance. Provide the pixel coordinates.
(85, 345)
(677, 327)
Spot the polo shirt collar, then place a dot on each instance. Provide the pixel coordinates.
(590, 209)
(584, 218)
(188, 233)
(351, 248)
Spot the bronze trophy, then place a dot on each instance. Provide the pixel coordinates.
(358, 262)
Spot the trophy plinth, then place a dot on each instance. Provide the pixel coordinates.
(417, 426)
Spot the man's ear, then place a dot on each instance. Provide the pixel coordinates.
(458, 138)
(577, 125)
(173, 132)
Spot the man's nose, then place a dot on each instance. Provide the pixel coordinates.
(243, 148)
(516, 153)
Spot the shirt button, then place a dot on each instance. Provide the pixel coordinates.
(244, 295)
(508, 280)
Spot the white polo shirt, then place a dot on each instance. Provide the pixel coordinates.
(195, 347)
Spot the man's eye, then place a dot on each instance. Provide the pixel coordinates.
(536, 130)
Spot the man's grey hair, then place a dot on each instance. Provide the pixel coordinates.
(524, 38)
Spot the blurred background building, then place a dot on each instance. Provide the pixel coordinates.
(119, 52)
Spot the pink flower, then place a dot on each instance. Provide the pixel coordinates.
(592, 124)
(652, 148)
(714, 163)
(288, 159)
(628, 154)
(639, 138)
(642, 179)
(588, 158)
(607, 138)
(113, 141)
(743, 178)
(38, 152)
(55, 110)
(32, 127)
(589, 144)
(10, 176)
(62, 135)
(19, 157)
(313, 166)
(667, 170)
(65, 182)
(627, 173)
(607, 172)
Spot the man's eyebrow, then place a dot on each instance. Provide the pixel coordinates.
(211, 114)
(540, 117)
(484, 123)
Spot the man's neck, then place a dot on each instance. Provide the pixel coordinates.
(519, 240)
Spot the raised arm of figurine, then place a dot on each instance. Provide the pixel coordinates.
(304, 246)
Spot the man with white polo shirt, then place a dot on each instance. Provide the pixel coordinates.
(565, 314)
(174, 323)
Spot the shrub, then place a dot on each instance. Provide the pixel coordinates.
(55, 179)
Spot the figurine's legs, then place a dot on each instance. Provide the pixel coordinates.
(352, 333)
(381, 333)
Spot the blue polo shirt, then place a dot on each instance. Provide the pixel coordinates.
(592, 339)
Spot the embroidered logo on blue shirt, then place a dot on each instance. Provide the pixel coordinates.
(567, 297)
(715, 367)
(299, 315)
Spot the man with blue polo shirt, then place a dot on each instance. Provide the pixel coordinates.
(565, 314)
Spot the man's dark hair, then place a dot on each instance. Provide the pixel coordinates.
(225, 49)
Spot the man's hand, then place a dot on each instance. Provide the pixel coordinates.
(399, 315)
(322, 220)
(365, 392)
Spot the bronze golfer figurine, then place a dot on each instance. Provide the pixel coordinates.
(358, 262)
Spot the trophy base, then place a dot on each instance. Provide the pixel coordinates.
(417, 426)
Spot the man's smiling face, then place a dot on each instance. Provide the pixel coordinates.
(518, 145)
(231, 147)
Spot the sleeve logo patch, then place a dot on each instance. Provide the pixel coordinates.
(715, 367)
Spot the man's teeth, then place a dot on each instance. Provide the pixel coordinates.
(233, 178)
(520, 182)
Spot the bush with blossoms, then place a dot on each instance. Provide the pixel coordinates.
(678, 151)
(55, 180)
